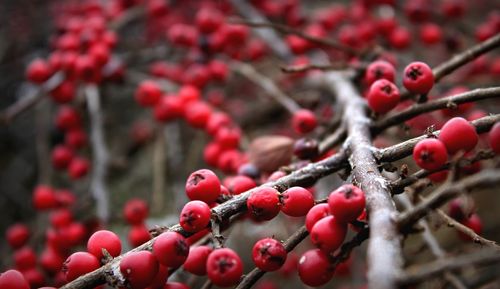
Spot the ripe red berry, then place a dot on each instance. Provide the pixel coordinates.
(17, 235)
(430, 154)
(328, 234)
(315, 214)
(264, 204)
(453, 8)
(61, 218)
(196, 262)
(67, 118)
(34, 277)
(208, 20)
(78, 264)
(64, 92)
(182, 34)
(269, 254)
(203, 185)
(61, 156)
(139, 269)
(78, 167)
(171, 249)
(25, 258)
(314, 268)
(161, 277)
(457, 134)
(474, 223)
(86, 69)
(195, 216)
(168, 108)
(418, 78)
(135, 211)
(228, 137)
(379, 69)
(51, 261)
(104, 239)
(239, 184)
(347, 203)
(400, 38)
(175, 285)
(297, 201)
(304, 121)
(494, 138)
(75, 138)
(224, 267)
(217, 121)
(138, 235)
(197, 114)
(383, 96)
(38, 71)
(148, 93)
(13, 279)
(430, 33)
(44, 198)
(188, 93)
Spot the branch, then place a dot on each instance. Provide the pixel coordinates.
(446, 192)
(384, 248)
(304, 177)
(433, 269)
(267, 84)
(100, 153)
(445, 102)
(311, 66)
(404, 149)
(333, 139)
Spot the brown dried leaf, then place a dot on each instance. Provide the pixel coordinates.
(269, 153)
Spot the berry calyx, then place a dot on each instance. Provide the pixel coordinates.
(418, 78)
(269, 254)
(347, 203)
(195, 216)
(430, 154)
(224, 267)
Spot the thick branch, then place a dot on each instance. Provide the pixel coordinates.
(446, 192)
(433, 269)
(384, 248)
(100, 153)
(445, 102)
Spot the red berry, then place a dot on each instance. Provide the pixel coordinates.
(297, 201)
(197, 114)
(211, 154)
(315, 214)
(168, 108)
(75, 138)
(304, 121)
(203, 185)
(430, 154)
(196, 262)
(228, 137)
(104, 239)
(139, 269)
(34, 277)
(264, 204)
(216, 122)
(17, 235)
(188, 93)
(418, 78)
(383, 96)
(328, 234)
(438, 177)
(61, 218)
(269, 254)
(457, 134)
(135, 211)
(453, 8)
(138, 235)
(175, 285)
(148, 93)
(25, 258)
(430, 33)
(474, 223)
(315, 268)
(67, 118)
(239, 184)
(195, 216)
(86, 69)
(182, 34)
(13, 279)
(78, 167)
(78, 264)
(379, 69)
(208, 20)
(224, 267)
(38, 71)
(171, 249)
(64, 92)
(347, 203)
(494, 138)
(400, 38)
(160, 278)
(51, 261)
(44, 198)
(61, 156)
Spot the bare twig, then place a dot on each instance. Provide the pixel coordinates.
(307, 67)
(445, 102)
(100, 153)
(433, 269)
(384, 247)
(267, 84)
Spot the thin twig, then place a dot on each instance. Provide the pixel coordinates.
(311, 66)
(100, 153)
(267, 85)
(445, 102)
